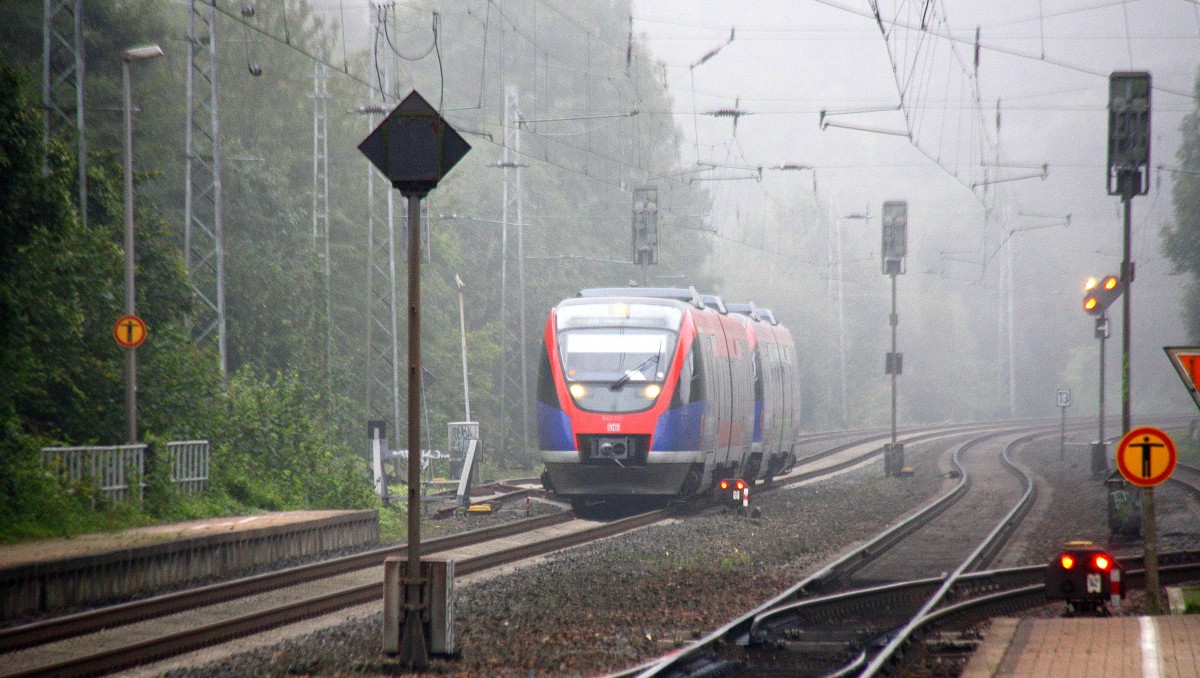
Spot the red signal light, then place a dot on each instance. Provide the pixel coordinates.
(741, 484)
(1101, 562)
(1067, 561)
(724, 484)
(1089, 303)
(1110, 283)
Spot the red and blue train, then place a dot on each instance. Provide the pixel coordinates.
(661, 393)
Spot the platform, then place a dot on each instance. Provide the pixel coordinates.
(53, 574)
(1166, 646)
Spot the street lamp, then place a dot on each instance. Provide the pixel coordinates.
(132, 54)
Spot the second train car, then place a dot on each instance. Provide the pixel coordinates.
(660, 393)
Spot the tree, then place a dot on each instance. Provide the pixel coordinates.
(1181, 240)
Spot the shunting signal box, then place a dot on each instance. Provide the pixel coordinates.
(1087, 577)
(736, 492)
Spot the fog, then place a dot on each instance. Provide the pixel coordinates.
(998, 145)
(1036, 99)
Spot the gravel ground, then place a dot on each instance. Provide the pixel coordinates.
(607, 606)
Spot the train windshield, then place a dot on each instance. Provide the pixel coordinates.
(616, 359)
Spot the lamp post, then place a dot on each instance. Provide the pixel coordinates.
(129, 55)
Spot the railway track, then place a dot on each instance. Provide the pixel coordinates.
(108, 650)
(141, 631)
(864, 631)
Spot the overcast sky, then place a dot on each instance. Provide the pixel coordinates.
(1045, 61)
(1038, 97)
(992, 155)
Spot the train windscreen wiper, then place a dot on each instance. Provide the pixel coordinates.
(652, 360)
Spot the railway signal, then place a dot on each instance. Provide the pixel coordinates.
(736, 492)
(893, 250)
(414, 147)
(645, 226)
(1086, 577)
(1099, 294)
(1129, 176)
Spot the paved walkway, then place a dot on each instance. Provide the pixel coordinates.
(1165, 646)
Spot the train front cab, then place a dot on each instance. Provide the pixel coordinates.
(596, 437)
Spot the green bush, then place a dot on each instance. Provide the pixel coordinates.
(274, 449)
(35, 504)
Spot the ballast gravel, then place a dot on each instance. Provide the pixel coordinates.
(611, 605)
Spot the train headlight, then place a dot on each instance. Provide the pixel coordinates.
(651, 391)
(578, 391)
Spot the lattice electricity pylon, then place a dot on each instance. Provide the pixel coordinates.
(63, 72)
(320, 195)
(204, 235)
(383, 350)
(514, 377)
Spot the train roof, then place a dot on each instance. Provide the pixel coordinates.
(749, 309)
(685, 294)
(714, 302)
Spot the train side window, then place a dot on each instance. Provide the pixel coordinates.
(546, 391)
(691, 378)
(756, 362)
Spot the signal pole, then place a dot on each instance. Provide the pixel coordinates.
(1129, 168)
(893, 250)
(203, 228)
(514, 375)
(63, 73)
(1100, 450)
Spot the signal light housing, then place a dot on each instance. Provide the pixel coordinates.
(736, 492)
(1099, 294)
(1086, 577)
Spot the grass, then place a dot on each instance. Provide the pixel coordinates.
(1191, 600)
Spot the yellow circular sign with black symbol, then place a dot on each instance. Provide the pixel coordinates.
(1146, 456)
(130, 331)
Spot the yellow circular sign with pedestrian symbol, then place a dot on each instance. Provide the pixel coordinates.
(130, 331)
(1146, 456)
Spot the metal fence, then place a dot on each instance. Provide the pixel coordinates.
(110, 467)
(117, 470)
(189, 464)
